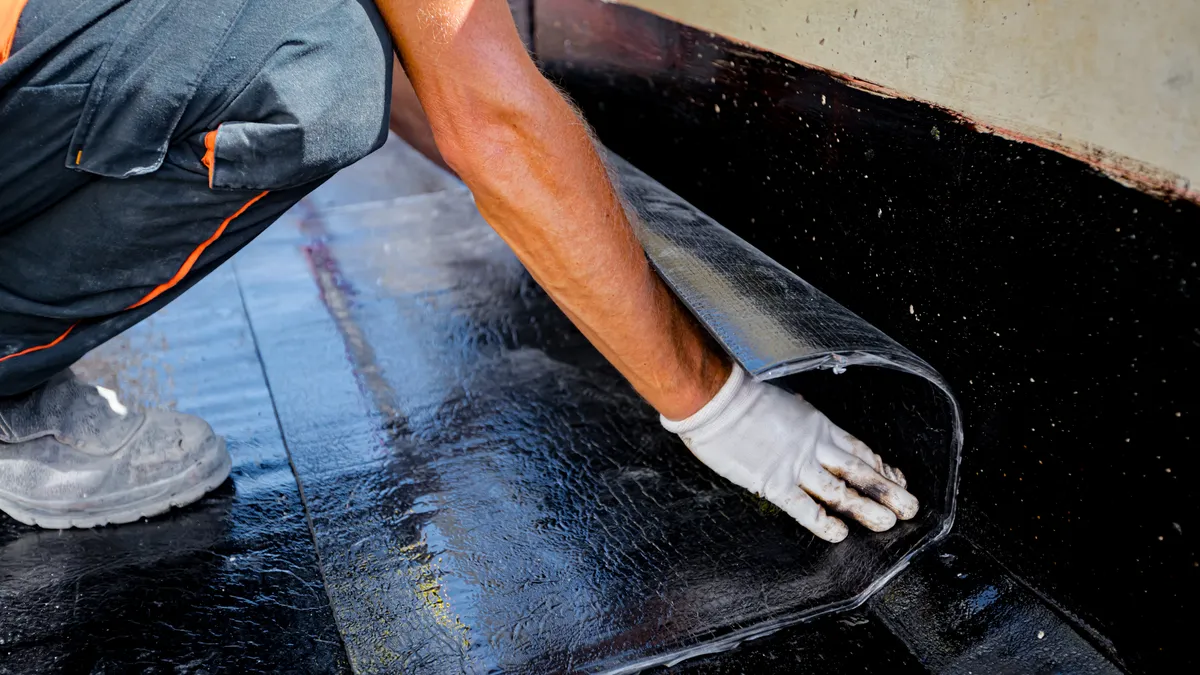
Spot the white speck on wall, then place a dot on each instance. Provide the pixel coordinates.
(1041, 634)
(912, 310)
(716, 107)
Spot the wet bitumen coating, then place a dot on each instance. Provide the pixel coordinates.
(1059, 304)
(952, 611)
(962, 613)
(851, 642)
(486, 492)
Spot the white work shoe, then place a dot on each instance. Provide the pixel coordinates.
(72, 455)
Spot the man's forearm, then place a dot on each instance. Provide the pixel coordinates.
(539, 181)
(547, 193)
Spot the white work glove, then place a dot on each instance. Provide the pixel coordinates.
(777, 445)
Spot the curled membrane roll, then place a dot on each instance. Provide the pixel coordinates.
(776, 325)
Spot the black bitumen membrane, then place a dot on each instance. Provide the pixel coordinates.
(435, 473)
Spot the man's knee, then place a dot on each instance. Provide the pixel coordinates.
(297, 90)
(318, 103)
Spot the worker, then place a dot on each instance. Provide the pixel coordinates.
(144, 142)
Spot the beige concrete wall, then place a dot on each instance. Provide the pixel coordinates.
(1115, 81)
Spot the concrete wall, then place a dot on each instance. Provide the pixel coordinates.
(1114, 81)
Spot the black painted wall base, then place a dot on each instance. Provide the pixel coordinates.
(1060, 304)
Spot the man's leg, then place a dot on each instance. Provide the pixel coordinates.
(74, 455)
(112, 254)
(297, 91)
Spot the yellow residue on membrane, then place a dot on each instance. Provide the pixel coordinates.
(427, 582)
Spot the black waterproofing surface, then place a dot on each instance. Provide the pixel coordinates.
(487, 493)
(484, 491)
(777, 325)
(1059, 303)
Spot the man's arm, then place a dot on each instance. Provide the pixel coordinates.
(538, 180)
(408, 120)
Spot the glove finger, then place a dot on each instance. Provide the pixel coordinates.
(866, 480)
(829, 489)
(852, 445)
(797, 504)
(848, 442)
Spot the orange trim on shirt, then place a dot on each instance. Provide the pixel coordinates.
(10, 14)
(39, 348)
(191, 259)
(210, 154)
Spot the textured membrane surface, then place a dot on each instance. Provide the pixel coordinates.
(486, 492)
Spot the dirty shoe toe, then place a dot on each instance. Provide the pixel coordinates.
(72, 455)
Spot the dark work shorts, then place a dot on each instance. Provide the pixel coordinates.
(144, 142)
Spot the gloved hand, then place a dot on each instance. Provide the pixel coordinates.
(779, 446)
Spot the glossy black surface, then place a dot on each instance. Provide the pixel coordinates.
(230, 584)
(961, 613)
(775, 325)
(954, 610)
(487, 495)
(853, 642)
(1058, 303)
(486, 492)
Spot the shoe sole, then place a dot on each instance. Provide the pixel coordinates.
(179, 490)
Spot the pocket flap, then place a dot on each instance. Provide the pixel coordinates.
(144, 85)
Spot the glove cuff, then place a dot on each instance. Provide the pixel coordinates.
(713, 408)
